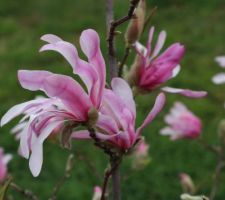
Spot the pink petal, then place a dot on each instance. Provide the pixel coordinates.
(150, 37)
(121, 88)
(90, 45)
(159, 44)
(185, 92)
(107, 123)
(70, 92)
(176, 71)
(17, 110)
(50, 38)
(32, 79)
(159, 103)
(36, 158)
(219, 78)
(80, 67)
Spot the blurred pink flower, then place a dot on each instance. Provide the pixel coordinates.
(142, 149)
(4, 159)
(182, 123)
(97, 193)
(220, 77)
(67, 101)
(151, 70)
(118, 114)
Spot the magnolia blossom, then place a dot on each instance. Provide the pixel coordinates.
(118, 114)
(67, 101)
(97, 193)
(4, 159)
(220, 77)
(182, 123)
(68, 104)
(150, 70)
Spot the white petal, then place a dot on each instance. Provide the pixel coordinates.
(219, 78)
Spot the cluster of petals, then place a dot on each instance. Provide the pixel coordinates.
(4, 159)
(220, 77)
(68, 101)
(154, 69)
(182, 123)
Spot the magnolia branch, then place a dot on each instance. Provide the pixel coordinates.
(66, 175)
(25, 192)
(111, 34)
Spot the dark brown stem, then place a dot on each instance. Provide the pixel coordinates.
(66, 175)
(111, 34)
(127, 51)
(25, 192)
(116, 183)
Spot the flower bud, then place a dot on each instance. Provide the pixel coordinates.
(92, 116)
(136, 24)
(97, 193)
(187, 183)
(189, 197)
(221, 131)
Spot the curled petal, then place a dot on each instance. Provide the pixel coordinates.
(159, 103)
(50, 38)
(185, 92)
(90, 45)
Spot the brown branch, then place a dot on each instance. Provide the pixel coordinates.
(25, 192)
(111, 34)
(149, 18)
(66, 175)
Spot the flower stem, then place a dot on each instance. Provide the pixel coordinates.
(116, 183)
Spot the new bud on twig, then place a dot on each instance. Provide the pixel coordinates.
(136, 24)
(92, 116)
(189, 197)
(187, 183)
(221, 131)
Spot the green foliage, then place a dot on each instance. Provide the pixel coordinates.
(197, 24)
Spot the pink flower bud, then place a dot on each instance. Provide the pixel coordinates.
(187, 183)
(97, 193)
(4, 159)
(182, 123)
(136, 24)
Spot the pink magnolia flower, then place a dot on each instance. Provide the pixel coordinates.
(118, 114)
(220, 77)
(4, 159)
(142, 149)
(182, 123)
(67, 101)
(97, 193)
(151, 70)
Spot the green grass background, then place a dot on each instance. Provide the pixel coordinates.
(198, 24)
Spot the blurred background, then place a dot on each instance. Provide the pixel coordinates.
(199, 25)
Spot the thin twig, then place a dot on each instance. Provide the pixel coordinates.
(89, 163)
(114, 164)
(111, 34)
(127, 51)
(216, 179)
(208, 147)
(66, 175)
(149, 18)
(25, 192)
